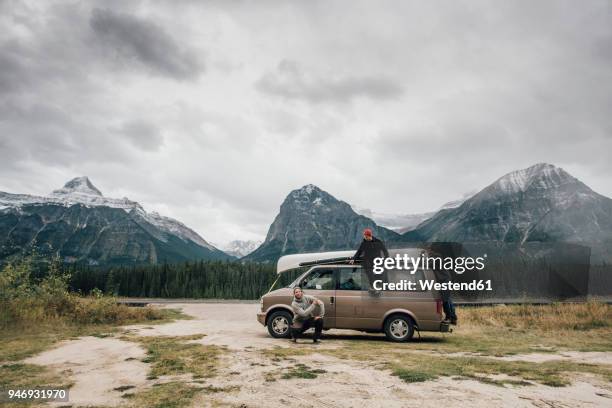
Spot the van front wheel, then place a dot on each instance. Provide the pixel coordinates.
(279, 324)
(399, 328)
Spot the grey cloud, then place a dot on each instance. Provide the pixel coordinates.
(291, 82)
(143, 135)
(476, 90)
(134, 39)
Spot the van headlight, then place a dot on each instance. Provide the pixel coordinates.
(261, 303)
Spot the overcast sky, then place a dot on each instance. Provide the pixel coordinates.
(211, 112)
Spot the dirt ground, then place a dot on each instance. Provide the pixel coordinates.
(99, 368)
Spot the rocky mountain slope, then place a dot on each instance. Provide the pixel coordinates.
(312, 220)
(81, 225)
(540, 203)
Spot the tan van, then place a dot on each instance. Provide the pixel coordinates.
(348, 304)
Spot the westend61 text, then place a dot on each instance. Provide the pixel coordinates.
(427, 285)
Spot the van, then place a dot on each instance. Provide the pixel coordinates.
(343, 288)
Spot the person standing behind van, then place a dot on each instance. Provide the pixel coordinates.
(370, 248)
(439, 250)
(308, 311)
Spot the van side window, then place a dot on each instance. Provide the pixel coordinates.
(351, 279)
(319, 279)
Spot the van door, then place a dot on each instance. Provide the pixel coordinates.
(320, 282)
(355, 308)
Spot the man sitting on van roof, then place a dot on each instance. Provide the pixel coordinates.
(370, 248)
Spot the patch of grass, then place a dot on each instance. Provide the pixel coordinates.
(412, 376)
(167, 395)
(302, 371)
(210, 389)
(547, 318)
(177, 355)
(30, 376)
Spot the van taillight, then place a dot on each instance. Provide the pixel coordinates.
(439, 306)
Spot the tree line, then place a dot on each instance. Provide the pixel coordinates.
(198, 279)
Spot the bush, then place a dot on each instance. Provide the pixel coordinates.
(25, 300)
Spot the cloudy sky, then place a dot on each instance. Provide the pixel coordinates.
(211, 112)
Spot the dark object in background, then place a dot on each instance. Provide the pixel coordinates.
(445, 250)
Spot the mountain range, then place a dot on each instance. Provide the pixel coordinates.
(542, 203)
(81, 225)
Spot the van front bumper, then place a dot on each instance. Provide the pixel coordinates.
(261, 318)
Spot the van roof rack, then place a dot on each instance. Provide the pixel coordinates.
(329, 261)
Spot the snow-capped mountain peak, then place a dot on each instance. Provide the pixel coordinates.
(80, 190)
(80, 185)
(541, 175)
(239, 248)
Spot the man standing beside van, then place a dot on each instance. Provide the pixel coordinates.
(441, 250)
(308, 311)
(370, 248)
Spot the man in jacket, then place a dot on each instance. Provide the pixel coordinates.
(308, 311)
(370, 248)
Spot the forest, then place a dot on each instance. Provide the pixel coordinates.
(197, 279)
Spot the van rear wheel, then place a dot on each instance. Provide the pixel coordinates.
(279, 324)
(399, 328)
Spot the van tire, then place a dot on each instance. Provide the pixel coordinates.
(399, 328)
(279, 324)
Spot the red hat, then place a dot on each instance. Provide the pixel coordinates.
(367, 232)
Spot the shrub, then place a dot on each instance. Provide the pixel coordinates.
(25, 300)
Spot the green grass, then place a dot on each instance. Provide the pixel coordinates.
(24, 340)
(174, 356)
(298, 370)
(411, 376)
(30, 376)
(174, 394)
(413, 367)
(177, 355)
(302, 371)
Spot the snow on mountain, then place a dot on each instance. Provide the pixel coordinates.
(456, 203)
(177, 228)
(405, 222)
(395, 222)
(77, 191)
(80, 190)
(541, 175)
(239, 248)
(80, 185)
(541, 203)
